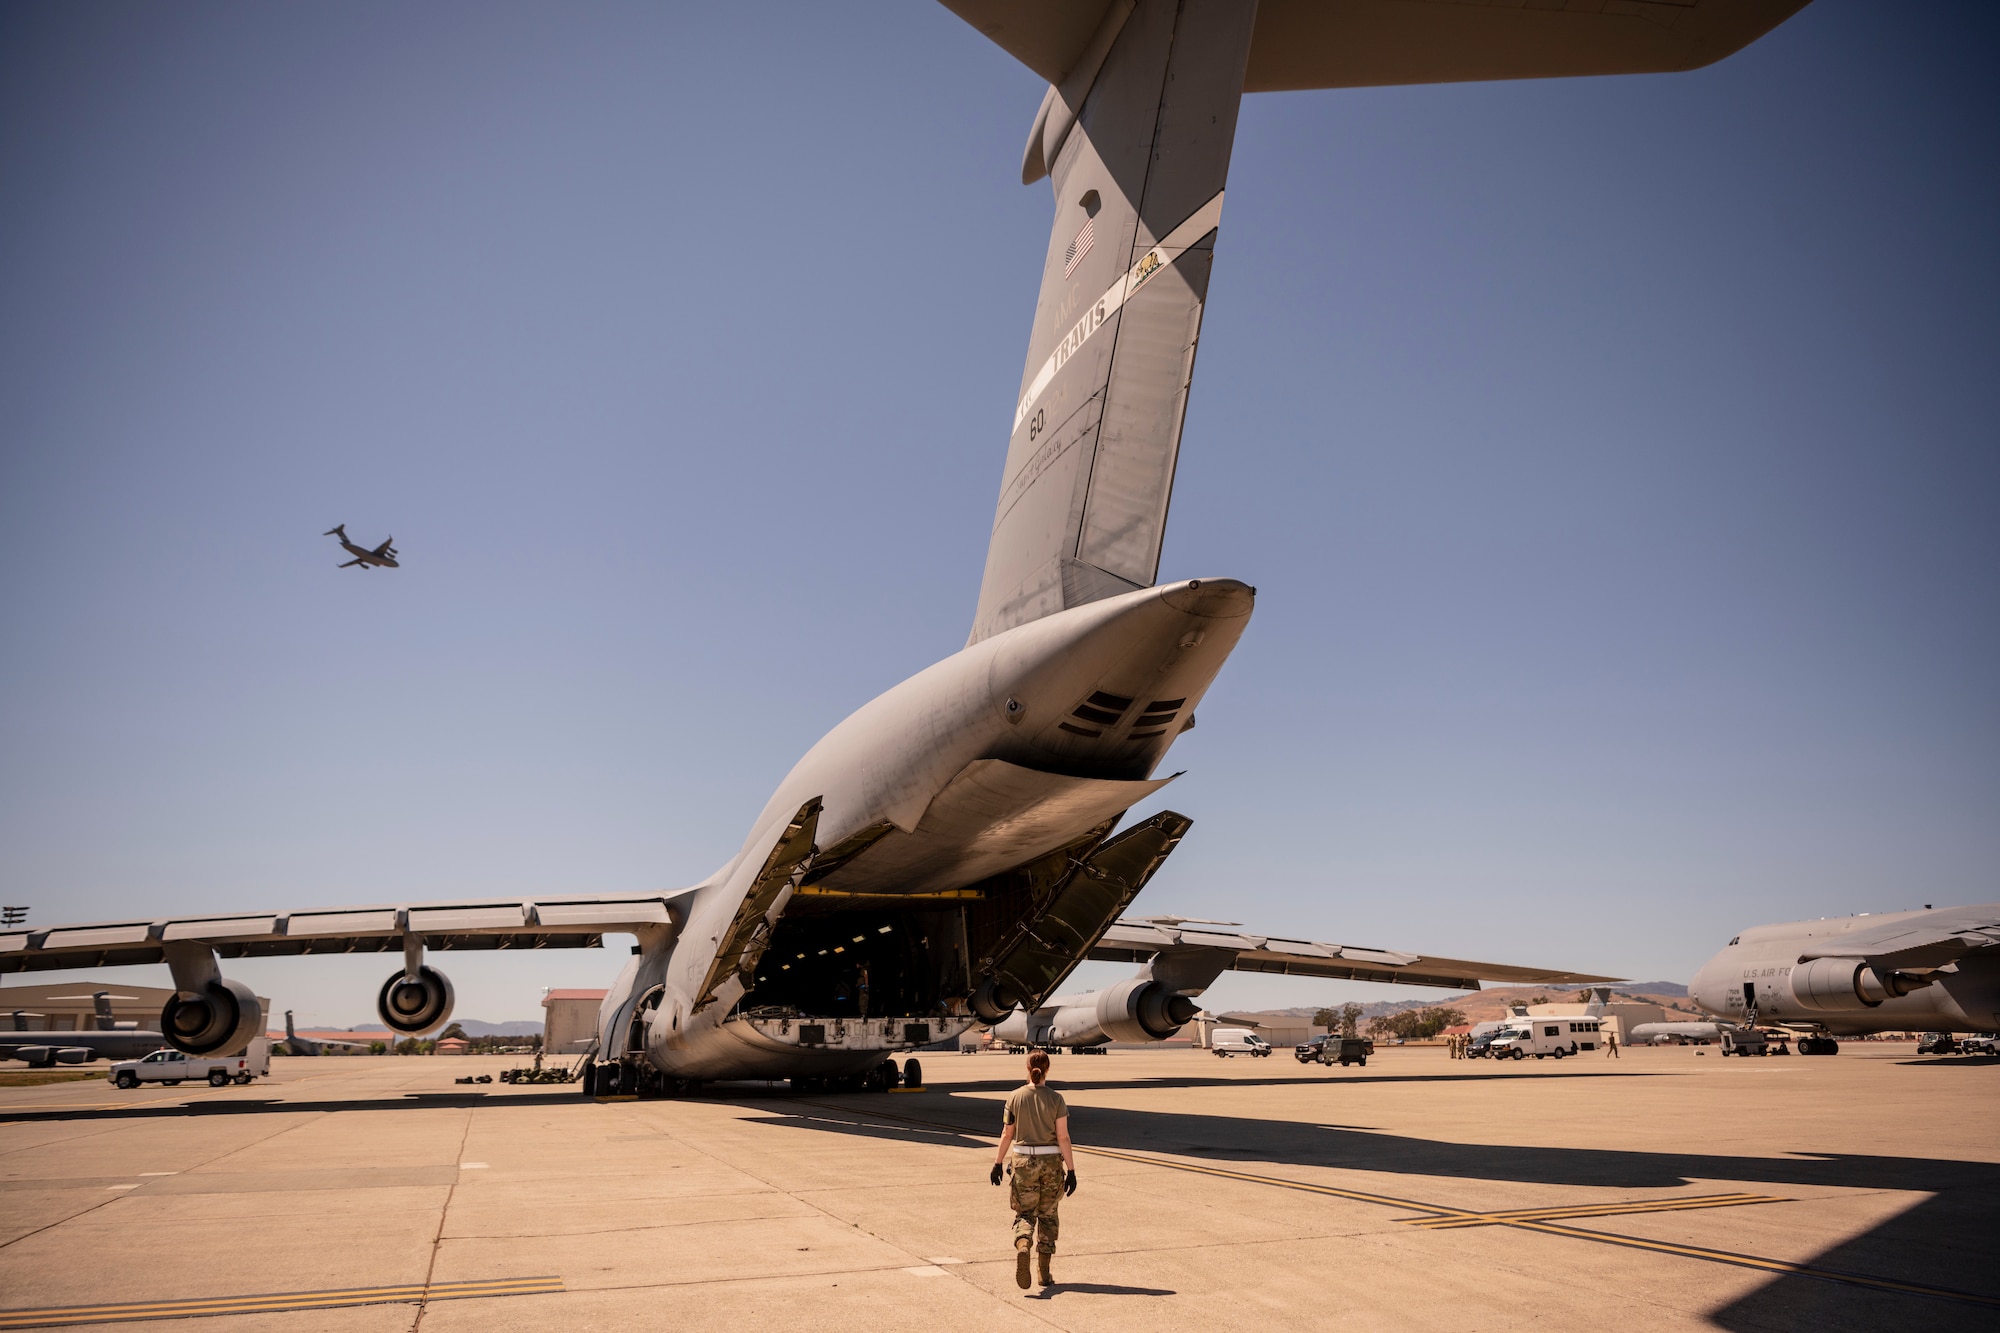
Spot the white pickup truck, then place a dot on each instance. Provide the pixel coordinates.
(169, 1066)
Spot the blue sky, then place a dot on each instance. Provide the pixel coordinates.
(1616, 459)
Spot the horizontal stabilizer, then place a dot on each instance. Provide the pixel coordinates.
(1300, 44)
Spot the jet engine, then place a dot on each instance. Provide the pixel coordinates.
(1138, 1010)
(413, 1004)
(41, 1057)
(994, 1000)
(1849, 983)
(219, 1019)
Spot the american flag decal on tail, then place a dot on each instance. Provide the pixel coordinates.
(1080, 246)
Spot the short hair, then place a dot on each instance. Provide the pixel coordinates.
(1038, 1067)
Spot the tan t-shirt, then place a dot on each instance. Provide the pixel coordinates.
(1033, 1111)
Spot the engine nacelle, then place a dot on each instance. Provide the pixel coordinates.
(75, 1055)
(219, 1019)
(994, 1000)
(410, 1005)
(1141, 1010)
(1848, 983)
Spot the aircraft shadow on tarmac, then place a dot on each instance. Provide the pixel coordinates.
(1944, 1240)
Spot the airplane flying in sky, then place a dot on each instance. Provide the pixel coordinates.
(1935, 970)
(951, 851)
(383, 555)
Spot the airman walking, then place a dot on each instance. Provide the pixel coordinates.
(1035, 1128)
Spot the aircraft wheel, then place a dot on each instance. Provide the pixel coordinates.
(217, 1079)
(1829, 1047)
(913, 1073)
(128, 1080)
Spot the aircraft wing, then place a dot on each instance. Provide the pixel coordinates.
(1138, 941)
(1298, 44)
(483, 923)
(1927, 939)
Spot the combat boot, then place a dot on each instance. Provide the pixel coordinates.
(1042, 1270)
(1021, 1265)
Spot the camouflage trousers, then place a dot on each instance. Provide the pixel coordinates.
(1036, 1191)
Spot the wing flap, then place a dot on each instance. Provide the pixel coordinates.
(1140, 941)
(522, 923)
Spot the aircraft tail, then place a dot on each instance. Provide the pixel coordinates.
(337, 530)
(101, 1002)
(1136, 140)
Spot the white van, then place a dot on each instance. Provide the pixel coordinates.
(1226, 1042)
(1538, 1037)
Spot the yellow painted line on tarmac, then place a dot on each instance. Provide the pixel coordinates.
(56, 1316)
(1524, 1219)
(1594, 1210)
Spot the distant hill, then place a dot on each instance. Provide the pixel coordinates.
(473, 1028)
(1484, 1005)
(520, 1027)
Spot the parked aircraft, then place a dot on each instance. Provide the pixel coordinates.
(112, 1039)
(297, 1045)
(954, 839)
(1935, 970)
(366, 557)
(1645, 1034)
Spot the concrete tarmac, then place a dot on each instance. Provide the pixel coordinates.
(1672, 1188)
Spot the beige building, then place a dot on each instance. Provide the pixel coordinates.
(69, 1006)
(569, 1020)
(1281, 1031)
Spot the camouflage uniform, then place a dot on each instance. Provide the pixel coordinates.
(1037, 1189)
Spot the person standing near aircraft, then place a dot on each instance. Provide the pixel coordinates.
(1611, 1046)
(1036, 1127)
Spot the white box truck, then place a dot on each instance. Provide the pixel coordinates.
(171, 1067)
(1556, 1037)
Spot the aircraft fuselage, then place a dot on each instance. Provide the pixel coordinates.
(1767, 968)
(988, 760)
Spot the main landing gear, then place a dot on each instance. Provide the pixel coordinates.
(1818, 1046)
(634, 1078)
(881, 1078)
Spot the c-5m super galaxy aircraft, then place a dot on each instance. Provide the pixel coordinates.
(365, 556)
(1935, 970)
(111, 1039)
(955, 837)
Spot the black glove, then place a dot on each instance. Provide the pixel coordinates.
(1069, 1183)
(995, 1177)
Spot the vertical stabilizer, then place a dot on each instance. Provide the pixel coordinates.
(1136, 141)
